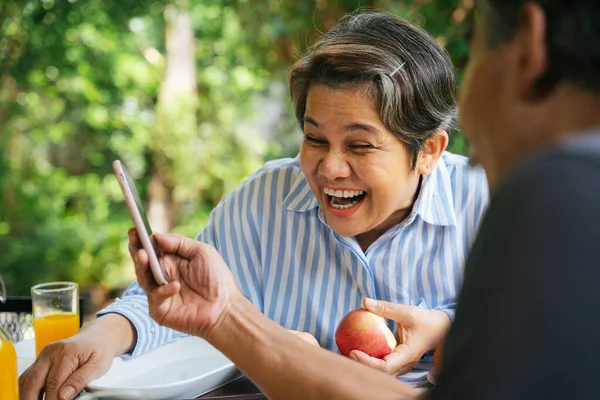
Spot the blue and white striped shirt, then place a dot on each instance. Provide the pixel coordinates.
(296, 270)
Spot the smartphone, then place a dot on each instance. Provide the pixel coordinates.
(140, 221)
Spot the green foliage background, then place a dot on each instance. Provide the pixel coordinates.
(79, 88)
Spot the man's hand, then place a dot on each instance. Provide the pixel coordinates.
(419, 330)
(201, 286)
(64, 368)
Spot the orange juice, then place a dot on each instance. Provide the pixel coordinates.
(8, 371)
(54, 327)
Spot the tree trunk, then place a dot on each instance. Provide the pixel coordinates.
(176, 124)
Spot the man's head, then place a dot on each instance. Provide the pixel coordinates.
(532, 78)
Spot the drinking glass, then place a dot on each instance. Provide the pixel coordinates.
(55, 312)
(8, 360)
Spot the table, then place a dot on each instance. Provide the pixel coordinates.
(239, 389)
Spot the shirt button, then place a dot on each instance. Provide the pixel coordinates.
(152, 330)
(134, 306)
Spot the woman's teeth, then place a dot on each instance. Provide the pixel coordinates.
(343, 199)
(342, 193)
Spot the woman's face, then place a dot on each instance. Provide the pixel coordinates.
(358, 170)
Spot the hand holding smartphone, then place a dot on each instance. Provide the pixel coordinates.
(140, 221)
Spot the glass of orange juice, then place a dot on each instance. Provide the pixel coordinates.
(8, 360)
(8, 369)
(55, 312)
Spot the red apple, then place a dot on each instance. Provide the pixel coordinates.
(365, 331)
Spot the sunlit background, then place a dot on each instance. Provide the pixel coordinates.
(190, 94)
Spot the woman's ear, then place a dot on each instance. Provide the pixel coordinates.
(431, 152)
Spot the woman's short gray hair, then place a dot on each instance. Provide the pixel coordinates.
(362, 52)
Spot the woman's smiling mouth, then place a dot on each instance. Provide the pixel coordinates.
(343, 202)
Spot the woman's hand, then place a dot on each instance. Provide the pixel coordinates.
(201, 286)
(64, 368)
(307, 337)
(419, 330)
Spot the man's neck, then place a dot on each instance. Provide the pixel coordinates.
(570, 112)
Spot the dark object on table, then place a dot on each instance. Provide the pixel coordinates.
(239, 389)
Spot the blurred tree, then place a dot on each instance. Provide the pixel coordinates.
(169, 87)
(67, 79)
(176, 125)
(80, 88)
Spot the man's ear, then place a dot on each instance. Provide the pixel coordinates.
(532, 50)
(431, 152)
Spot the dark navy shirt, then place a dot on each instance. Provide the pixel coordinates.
(527, 324)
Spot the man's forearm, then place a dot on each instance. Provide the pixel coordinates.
(287, 367)
(116, 331)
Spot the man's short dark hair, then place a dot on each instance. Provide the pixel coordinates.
(572, 28)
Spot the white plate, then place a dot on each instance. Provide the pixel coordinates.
(185, 368)
(25, 354)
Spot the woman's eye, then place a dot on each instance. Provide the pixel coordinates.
(314, 141)
(361, 147)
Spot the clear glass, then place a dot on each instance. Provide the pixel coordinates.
(2, 290)
(114, 395)
(9, 389)
(55, 312)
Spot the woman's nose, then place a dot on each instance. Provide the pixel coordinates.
(334, 166)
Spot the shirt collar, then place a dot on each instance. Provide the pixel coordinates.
(300, 196)
(435, 204)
